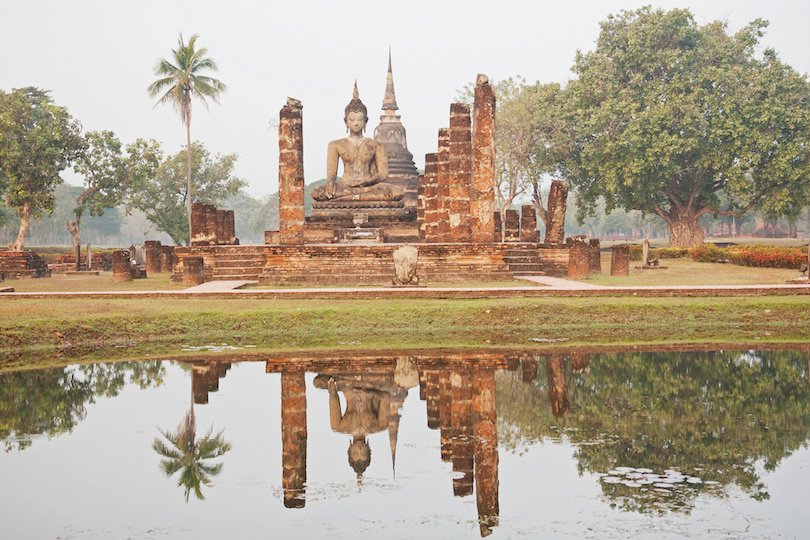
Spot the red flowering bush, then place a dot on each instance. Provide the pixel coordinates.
(768, 256)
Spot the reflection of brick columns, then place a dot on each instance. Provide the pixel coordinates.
(486, 449)
(579, 257)
(555, 220)
(193, 271)
(462, 444)
(595, 256)
(166, 258)
(200, 382)
(460, 172)
(432, 394)
(198, 231)
(293, 438)
(528, 224)
(528, 369)
(557, 395)
(210, 224)
(291, 173)
(121, 267)
(431, 195)
(580, 361)
(512, 226)
(620, 260)
(445, 416)
(482, 193)
(152, 252)
(443, 186)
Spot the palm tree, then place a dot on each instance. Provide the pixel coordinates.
(190, 455)
(180, 80)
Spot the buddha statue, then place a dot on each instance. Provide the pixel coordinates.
(365, 166)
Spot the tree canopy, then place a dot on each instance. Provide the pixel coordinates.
(666, 116)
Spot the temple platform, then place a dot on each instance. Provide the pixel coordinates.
(357, 264)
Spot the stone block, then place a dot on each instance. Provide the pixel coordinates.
(121, 269)
(152, 249)
(596, 256)
(555, 220)
(528, 224)
(167, 258)
(579, 257)
(620, 260)
(406, 259)
(512, 226)
(193, 271)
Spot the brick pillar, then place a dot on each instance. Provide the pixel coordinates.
(420, 206)
(496, 220)
(482, 193)
(555, 222)
(291, 173)
(210, 224)
(152, 250)
(121, 267)
(486, 449)
(193, 271)
(222, 228)
(620, 260)
(166, 258)
(443, 186)
(512, 226)
(198, 230)
(431, 195)
(293, 438)
(557, 393)
(460, 172)
(579, 257)
(528, 224)
(595, 256)
(231, 228)
(463, 444)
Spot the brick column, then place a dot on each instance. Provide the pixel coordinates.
(193, 271)
(167, 258)
(431, 195)
(596, 256)
(443, 186)
(231, 227)
(210, 224)
(512, 226)
(121, 267)
(579, 257)
(620, 260)
(291, 173)
(152, 250)
(486, 449)
(198, 230)
(460, 172)
(555, 222)
(496, 220)
(222, 228)
(420, 206)
(293, 438)
(482, 193)
(528, 224)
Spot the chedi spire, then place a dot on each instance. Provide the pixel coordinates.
(390, 99)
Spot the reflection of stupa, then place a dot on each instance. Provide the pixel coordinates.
(391, 133)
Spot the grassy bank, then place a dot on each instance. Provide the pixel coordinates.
(50, 332)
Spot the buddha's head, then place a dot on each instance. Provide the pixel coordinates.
(355, 115)
(359, 455)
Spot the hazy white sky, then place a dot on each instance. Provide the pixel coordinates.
(97, 58)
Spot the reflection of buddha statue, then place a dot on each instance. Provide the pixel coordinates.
(365, 166)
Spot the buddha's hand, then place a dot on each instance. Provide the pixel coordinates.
(330, 188)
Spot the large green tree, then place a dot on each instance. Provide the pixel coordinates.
(182, 78)
(670, 117)
(38, 140)
(103, 167)
(158, 187)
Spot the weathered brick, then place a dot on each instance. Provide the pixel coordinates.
(482, 191)
(291, 173)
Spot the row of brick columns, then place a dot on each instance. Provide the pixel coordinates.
(211, 226)
(158, 259)
(585, 257)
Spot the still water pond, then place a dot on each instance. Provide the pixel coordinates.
(641, 445)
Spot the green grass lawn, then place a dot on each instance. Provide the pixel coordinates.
(40, 332)
(101, 282)
(685, 271)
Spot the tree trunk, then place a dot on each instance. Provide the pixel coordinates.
(686, 231)
(188, 170)
(25, 221)
(76, 238)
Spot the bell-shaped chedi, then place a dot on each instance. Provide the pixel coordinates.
(391, 133)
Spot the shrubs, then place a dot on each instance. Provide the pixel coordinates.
(757, 256)
(658, 253)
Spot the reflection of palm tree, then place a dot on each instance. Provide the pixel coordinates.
(190, 455)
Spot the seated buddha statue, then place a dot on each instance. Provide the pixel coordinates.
(365, 166)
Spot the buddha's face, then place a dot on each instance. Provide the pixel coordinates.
(356, 122)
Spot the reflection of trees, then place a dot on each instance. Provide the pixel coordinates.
(715, 415)
(190, 455)
(52, 401)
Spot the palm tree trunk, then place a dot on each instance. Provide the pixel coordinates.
(188, 169)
